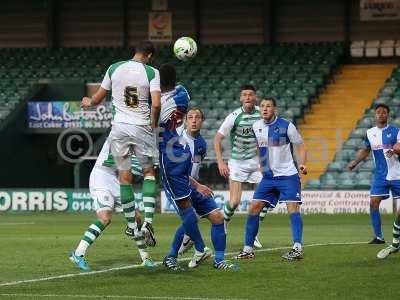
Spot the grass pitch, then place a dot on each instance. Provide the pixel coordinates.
(35, 246)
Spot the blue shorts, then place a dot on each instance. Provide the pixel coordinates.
(278, 189)
(202, 205)
(175, 168)
(382, 187)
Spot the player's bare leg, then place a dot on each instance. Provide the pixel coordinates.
(375, 215)
(297, 232)
(235, 194)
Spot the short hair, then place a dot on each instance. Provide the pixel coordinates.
(383, 106)
(269, 98)
(145, 47)
(167, 76)
(199, 110)
(247, 87)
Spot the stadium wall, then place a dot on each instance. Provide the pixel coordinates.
(79, 200)
(73, 23)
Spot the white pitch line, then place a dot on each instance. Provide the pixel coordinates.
(159, 262)
(114, 297)
(16, 223)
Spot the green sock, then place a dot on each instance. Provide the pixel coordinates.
(149, 198)
(128, 204)
(228, 211)
(91, 234)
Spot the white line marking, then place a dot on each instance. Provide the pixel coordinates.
(16, 223)
(115, 297)
(159, 262)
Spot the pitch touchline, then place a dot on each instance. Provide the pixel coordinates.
(16, 223)
(114, 297)
(159, 262)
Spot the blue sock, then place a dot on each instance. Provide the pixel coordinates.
(189, 222)
(218, 237)
(176, 243)
(252, 223)
(376, 222)
(297, 227)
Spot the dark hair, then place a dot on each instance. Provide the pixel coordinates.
(167, 76)
(198, 109)
(247, 87)
(384, 106)
(145, 47)
(269, 98)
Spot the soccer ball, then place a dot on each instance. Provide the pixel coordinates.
(185, 48)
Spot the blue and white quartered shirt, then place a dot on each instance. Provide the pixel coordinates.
(380, 141)
(275, 150)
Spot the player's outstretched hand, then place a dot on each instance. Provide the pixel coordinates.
(223, 169)
(204, 190)
(351, 165)
(86, 102)
(303, 169)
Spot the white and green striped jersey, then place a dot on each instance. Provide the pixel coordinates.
(131, 83)
(239, 126)
(105, 159)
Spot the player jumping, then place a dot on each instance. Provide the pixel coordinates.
(132, 82)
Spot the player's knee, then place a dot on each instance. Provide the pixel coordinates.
(255, 207)
(148, 172)
(216, 217)
(374, 203)
(125, 177)
(293, 207)
(106, 220)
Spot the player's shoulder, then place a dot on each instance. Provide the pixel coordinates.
(282, 122)
(236, 113)
(201, 140)
(151, 72)
(393, 128)
(371, 130)
(258, 124)
(113, 67)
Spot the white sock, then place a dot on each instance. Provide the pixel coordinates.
(297, 246)
(81, 249)
(248, 249)
(143, 254)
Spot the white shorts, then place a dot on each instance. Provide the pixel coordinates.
(244, 170)
(104, 189)
(127, 139)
